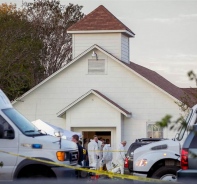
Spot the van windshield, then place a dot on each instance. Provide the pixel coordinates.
(25, 126)
(184, 127)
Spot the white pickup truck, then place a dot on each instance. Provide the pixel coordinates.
(161, 159)
(20, 136)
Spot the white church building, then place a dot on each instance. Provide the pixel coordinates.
(100, 91)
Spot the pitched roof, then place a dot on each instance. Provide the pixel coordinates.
(99, 19)
(192, 91)
(102, 97)
(145, 73)
(190, 96)
(167, 86)
(162, 83)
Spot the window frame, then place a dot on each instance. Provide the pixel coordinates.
(6, 131)
(160, 130)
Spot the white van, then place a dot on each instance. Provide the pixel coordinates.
(20, 136)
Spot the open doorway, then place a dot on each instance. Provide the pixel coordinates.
(105, 135)
(104, 132)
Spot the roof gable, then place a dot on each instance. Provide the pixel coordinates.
(99, 95)
(149, 75)
(99, 19)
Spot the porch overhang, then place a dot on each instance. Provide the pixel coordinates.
(102, 97)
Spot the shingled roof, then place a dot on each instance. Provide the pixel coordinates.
(99, 19)
(190, 95)
(161, 82)
(191, 91)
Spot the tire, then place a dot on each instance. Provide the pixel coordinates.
(83, 174)
(166, 173)
(38, 172)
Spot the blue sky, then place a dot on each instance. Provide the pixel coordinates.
(165, 31)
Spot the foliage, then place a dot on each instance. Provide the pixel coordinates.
(8, 8)
(172, 124)
(1, 164)
(51, 21)
(20, 49)
(34, 43)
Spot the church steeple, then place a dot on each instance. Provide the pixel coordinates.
(101, 27)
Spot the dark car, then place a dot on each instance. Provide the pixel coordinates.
(128, 164)
(188, 170)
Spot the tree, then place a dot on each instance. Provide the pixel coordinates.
(8, 8)
(20, 51)
(34, 43)
(51, 20)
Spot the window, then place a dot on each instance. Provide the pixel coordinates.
(6, 131)
(96, 66)
(154, 131)
(21, 122)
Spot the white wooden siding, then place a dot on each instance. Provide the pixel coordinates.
(111, 42)
(115, 43)
(83, 113)
(145, 101)
(125, 48)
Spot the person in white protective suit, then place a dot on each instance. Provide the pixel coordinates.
(120, 158)
(94, 152)
(107, 157)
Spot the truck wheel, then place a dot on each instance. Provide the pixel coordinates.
(34, 172)
(166, 173)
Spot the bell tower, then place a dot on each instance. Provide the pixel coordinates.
(102, 28)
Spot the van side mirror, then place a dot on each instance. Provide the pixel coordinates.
(6, 133)
(9, 134)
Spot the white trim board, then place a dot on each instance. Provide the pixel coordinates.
(102, 31)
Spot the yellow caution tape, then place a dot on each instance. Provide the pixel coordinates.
(97, 172)
(107, 151)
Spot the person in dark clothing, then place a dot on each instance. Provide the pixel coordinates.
(75, 138)
(85, 155)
